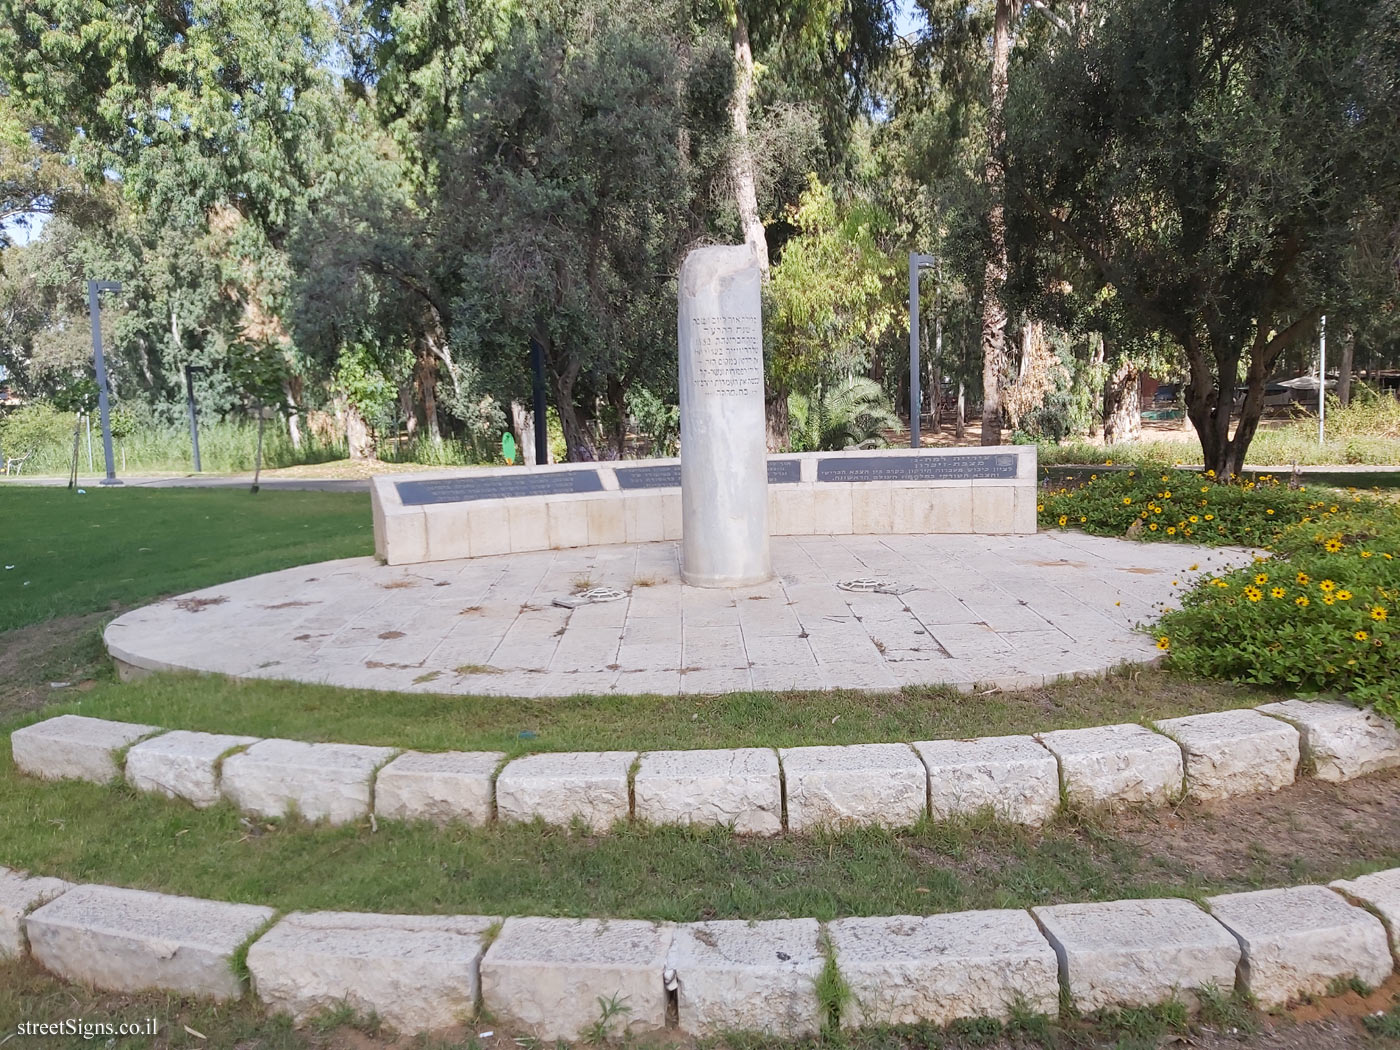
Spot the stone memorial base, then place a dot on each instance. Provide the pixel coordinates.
(510, 510)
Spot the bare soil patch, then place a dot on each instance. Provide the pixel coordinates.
(65, 649)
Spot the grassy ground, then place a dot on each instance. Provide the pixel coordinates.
(63, 553)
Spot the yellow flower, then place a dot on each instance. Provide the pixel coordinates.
(1063, 519)
(1262, 577)
(1164, 642)
(1219, 583)
(1109, 463)
(1302, 579)
(1127, 500)
(1361, 636)
(1253, 593)
(1333, 546)
(1327, 586)
(1378, 613)
(1039, 507)
(1327, 599)
(1344, 595)
(1269, 510)
(1153, 526)
(1093, 477)
(1301, 601)
(1210, 517)
(1082, 519)
(1209, 474)
(1167, 494)
(1387, 557)
(1194, 567)
(1278, 592)
(1365, 554)
(1193, 519)
(1171, 530)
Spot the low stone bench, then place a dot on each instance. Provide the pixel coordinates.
(1116, 765)
(440, 787)
(330, 782)
(19, 895)
(859, 784)
(562, 787)
(1138, 952)
(552, 976)
(736, 976)
(181, 764)
(1298, 941)
(1340, 741)
(1231, 753)
(907, 969)
(1380, 892)
(1013, 776)
(416, 972)
(740, 787)
(75, 747)
(123, 940)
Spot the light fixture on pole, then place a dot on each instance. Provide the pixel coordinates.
(100, 368)
(917, 262)
(1322, 383)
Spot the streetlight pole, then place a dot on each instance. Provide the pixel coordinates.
(917, 262)
(193, 411)
(1322, 383)
(100, 367)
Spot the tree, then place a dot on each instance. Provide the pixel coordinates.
(1209, 161)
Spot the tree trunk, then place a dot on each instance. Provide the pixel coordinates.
(357, 435)
(960, 426)
(775, 408)
(407, 409)
(522, 422)
(291, 390)
(1122, 404)
(427, 389)
(577, 439)
(741, 164)
(994, 273)
(1344, 374)
(937, 378)
(617, 401)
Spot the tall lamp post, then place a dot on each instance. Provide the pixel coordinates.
(917, 262)
(100, 367)
(193, 411)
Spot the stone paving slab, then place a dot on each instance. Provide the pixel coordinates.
(330, 782)
(562, 787)
(908, 969)
(1341, 741)
(738, 787)
(1232, 753)
(737, 976)
(1116, 765)
(1013, 776)
(833, 787)
(325, 623)
(1138, 952)
(20, 894)
(441, 787)
(418, 973)
(1379, 891)
(1298, 941)
(548, 975)
(75, 747)
(124, 940)
(182, 764)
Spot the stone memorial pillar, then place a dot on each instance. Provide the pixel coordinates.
(724, 460)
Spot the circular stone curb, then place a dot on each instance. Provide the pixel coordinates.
(1020, 779)
(547, 976)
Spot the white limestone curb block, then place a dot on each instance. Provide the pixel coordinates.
(440, 787)
(1380, 892)
(906, 969)
(883, 784)
(75, 747)
(739, 787)
(328, 782)
(181, 764)
(418, 973)
(1114, 765)
(1014, 776)
(548, 975)
(123, 940)
(737, 976)
(1298, 941)
(19, 895)
(559, 787)
(1232, 753)
(1138, 952)
(1341, 741)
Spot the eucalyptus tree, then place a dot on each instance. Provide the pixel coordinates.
(1210, 161)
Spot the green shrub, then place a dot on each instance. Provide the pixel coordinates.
(35, 429)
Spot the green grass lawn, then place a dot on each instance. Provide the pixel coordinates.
(113, 548)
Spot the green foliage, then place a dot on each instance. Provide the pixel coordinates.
(1322, 614)
(1152, 502)
(35, 429)
(658, 422)
(849, 414)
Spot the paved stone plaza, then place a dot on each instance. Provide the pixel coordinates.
(1010, 611)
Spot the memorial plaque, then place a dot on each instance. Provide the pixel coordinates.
(497, 486)
(668, 475)
(999, 465)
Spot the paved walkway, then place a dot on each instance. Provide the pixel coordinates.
(1011, 611)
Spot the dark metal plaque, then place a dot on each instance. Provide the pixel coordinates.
(497, 486)
(659, 476)
(784, 471)
(917, 468)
